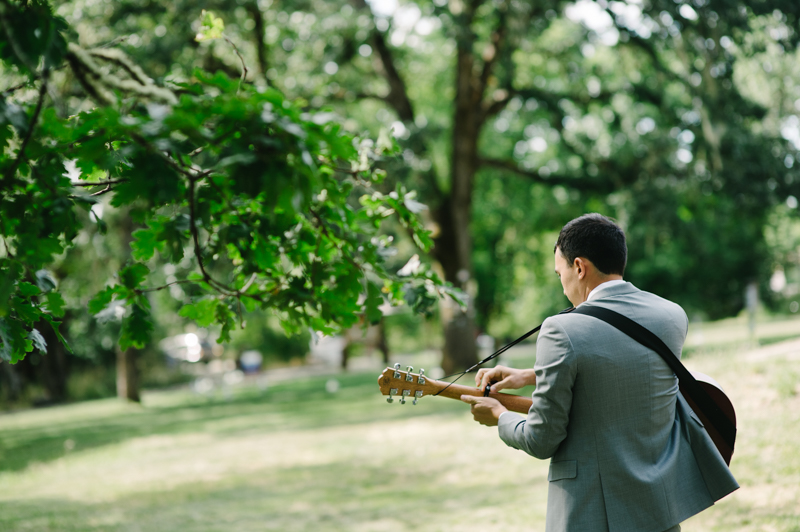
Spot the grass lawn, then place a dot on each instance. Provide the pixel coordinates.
(296, 457)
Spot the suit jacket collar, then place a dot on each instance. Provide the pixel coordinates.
(614, 290)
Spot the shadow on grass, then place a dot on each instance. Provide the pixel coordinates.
(300, 405)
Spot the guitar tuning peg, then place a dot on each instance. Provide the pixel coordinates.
(397, 371)
(406, 393)
(417, 395)
(392, 392)
(421, 379)
(409, 377)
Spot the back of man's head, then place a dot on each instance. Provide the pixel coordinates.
(597, 238)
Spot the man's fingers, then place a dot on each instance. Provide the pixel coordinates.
(501, 385)
(486, 378)
(484, 409)
(481, 376)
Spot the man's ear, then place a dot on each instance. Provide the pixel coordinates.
(581, 267)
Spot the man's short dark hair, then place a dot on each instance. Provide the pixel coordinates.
(597, 238)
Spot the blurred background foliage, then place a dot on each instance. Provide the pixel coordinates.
(677, 118)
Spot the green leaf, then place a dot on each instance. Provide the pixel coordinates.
(373, 302)
(6, 342)
(45, 280)
(55, 324)
(102, 226)
(14, 342)
(55, 304)
(144, 244)
(249, 303)
(226, 318)
(148, 177)
(203, 311)
(136, 328)
(28, 289)
(133, 275)
(211, 27)
(38, 341)
(25, 311)
(102, 299)
(265, 255)
(10, 271)
(174, 235)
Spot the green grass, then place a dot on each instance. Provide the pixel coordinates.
(296, 457)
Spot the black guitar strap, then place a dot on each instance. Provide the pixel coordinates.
(497, 354)
(688, 384)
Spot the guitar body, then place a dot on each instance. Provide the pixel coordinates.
(405, 384)
(717, 395)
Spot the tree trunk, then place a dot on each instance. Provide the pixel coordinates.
(53, 365)
(127, 375)
(12, 381)
(383, 343)
(346, 351)
(453, 247)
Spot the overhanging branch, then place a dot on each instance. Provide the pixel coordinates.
(576, 183)
(398, 94)
(31, 127)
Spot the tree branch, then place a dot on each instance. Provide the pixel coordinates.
(99, 183)
(551, 180)
(493, 51)
(258, 33)
(101, 192)
(398, 95)
(31, 127)
(157, 288)
(193, 173)
(19, 86)
(196, 240)
(333, 238)
(646, 45)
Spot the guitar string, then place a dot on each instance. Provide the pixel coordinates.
(497, 353)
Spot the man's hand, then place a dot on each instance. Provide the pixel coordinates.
(485, 410)
(501, 377)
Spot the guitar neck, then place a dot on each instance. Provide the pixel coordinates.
(515, 403)
(404, 384)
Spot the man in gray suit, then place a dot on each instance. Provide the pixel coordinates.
(627, 453)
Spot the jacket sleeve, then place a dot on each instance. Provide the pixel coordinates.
(545, 428)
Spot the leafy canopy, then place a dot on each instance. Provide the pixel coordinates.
(272, 203)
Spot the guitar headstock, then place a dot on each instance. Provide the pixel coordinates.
(395, 382)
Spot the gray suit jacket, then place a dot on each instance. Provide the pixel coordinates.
(628, 454)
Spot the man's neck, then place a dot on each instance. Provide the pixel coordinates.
(592, 284)
(599, 286)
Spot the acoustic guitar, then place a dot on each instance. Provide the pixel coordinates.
(404, 385)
